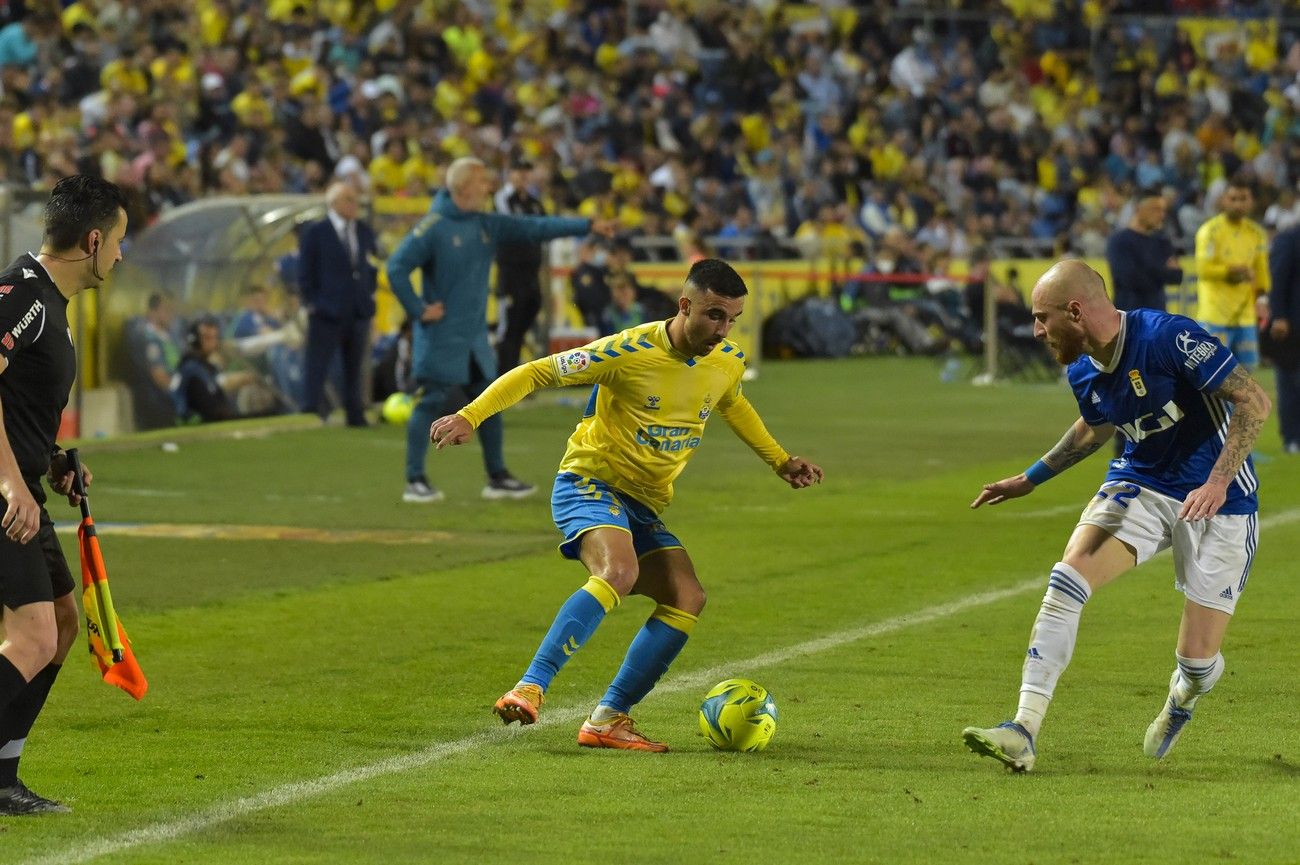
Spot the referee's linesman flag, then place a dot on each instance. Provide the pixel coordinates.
(110, 649)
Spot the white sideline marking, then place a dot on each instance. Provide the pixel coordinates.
(296, 791)
(137, 491)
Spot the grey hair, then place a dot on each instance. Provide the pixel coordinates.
(459, 172)
(334, 191)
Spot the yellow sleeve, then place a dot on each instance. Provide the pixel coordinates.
(740, 415)
(556, 370)
(1208, 263)
(1263, 281)
(510, 389)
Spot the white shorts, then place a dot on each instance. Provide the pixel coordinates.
(1212, 558)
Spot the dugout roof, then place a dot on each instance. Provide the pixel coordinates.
(205, 252)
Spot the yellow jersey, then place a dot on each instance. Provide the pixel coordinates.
(647, 410)
(1219, 246)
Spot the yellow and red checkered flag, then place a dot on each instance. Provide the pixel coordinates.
(110, 649)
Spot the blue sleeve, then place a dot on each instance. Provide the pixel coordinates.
(1193, 354)
(415, 250)
(534, 229)
(243, 326)
(1079, 384)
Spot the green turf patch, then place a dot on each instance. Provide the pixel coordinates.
(329, 701)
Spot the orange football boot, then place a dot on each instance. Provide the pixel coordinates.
(618, 732)
(521, 703)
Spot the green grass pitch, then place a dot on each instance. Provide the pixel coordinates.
(324, 662)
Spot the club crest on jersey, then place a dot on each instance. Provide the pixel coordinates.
(1135, 379)
(708, 408)
(572, 363)
(28, 273)
(1196, 350)
(652, 403)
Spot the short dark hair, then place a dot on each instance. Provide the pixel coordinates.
(715, 275)
(1241, 180)
(78, 205)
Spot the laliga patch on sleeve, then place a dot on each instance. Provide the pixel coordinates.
(572, 363)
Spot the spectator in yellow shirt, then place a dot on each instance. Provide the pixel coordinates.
(386, 173)
(1232, 273)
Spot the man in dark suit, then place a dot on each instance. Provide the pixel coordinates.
(1281, 339)
(337, 280)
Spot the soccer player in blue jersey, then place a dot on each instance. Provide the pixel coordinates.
(1190, 413)
(654, 388)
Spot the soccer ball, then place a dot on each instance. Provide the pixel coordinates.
(738, 715)
(397, 408)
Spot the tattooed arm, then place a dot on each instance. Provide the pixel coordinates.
(1250, 408)
(1079, 441)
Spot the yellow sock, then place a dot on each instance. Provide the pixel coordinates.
(674, 618)
(602, 592)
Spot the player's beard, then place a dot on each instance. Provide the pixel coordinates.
(1066, 347)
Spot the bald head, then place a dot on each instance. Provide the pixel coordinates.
(1072, 280)
(1072, 313)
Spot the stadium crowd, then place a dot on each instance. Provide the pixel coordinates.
(794, 126)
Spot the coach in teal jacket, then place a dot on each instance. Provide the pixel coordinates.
(454, 246)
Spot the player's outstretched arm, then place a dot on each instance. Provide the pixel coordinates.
(1079, 441)
(1250, 408)
(999, 491)
(799, 473)
(499, 396)
(450, 430)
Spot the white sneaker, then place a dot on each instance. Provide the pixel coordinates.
(419, 492)
(1167, 727)
(1008, 743)
(507, 486)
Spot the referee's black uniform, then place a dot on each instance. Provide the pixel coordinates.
(518, 266)
(36, 341)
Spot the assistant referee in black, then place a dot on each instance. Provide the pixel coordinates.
(85, 220)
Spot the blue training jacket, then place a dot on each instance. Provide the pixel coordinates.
(454, 250)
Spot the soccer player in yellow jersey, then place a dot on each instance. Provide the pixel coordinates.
(1232, 274)
(655, 387)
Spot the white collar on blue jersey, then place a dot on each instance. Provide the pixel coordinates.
(1119, 347)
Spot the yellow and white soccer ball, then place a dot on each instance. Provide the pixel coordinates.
(738, 715)
(397, 408)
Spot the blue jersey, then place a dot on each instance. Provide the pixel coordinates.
(1158, 391)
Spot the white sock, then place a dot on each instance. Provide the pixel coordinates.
(1196, 676)
(602, 713)
(1051, 643)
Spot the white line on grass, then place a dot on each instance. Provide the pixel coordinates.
(286, 794)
